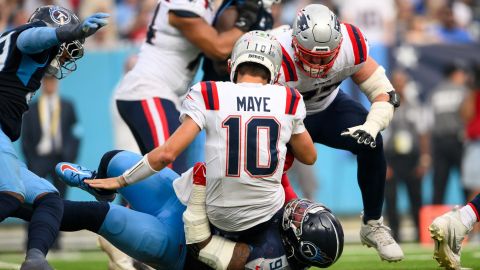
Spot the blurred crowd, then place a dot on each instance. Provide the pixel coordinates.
(387, 22)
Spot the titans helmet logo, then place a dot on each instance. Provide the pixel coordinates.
(60, 16)
(302, 22)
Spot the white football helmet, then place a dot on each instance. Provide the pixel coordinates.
(257, 47)
(316, 39)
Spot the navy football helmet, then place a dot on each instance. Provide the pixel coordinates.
(65, 61)
(312, 235)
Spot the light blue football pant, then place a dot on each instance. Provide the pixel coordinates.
(152, 231)
(15, 176)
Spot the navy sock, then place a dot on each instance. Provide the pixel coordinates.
(76, 215)
(84, 216)
(476, 203)
(9, 205)
(45, 222)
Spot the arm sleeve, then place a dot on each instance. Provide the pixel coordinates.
(193, 106)
(37, 39)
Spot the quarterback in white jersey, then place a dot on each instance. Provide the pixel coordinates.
(319, 53)
(248, 125)
(150, 94)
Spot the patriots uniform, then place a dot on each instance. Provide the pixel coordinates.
(319, 93)
(247, 127)
(20, 77)
(167, 61)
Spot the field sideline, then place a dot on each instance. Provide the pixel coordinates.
(355, 257)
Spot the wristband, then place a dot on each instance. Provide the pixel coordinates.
(139, 171)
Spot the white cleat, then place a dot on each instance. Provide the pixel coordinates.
(377, 235)
(448, 232)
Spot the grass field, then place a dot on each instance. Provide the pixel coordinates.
(355, 257)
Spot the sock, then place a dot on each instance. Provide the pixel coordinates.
(468, 216)
(45, 222)
(9, 205)
(35, 254)
(83, 215)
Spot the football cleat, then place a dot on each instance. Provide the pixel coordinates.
(73, 175)
(448, 232)
(375, 234)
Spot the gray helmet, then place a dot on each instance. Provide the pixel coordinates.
(316, 39)
(257, 47)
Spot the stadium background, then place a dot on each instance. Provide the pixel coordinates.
(92, 85)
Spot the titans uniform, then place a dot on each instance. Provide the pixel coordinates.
(20, 77)
(247, 128)
(330, 111)
(149, 94)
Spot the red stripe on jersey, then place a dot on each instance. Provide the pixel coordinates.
(474, 210)
(151, 124)
(358, 43)
(203, 87)
(293, 97)
(216, 102)
(289, 100)
(288, 67)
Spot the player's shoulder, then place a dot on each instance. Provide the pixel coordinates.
(354, 49)
(17, 30)
(283, 34)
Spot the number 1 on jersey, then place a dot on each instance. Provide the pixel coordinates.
(254, 149)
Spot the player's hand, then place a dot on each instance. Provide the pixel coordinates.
(106, 183)
(69, 33)
(364, 134)
(248, 13)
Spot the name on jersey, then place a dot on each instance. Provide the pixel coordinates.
(253, 104)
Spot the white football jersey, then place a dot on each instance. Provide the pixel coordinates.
(247, 127)
(318, 93)
(167, 61)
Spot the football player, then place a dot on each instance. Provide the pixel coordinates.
(50, 43)
(148, 97)
(318, 54)
(245, 200)
(449, 230)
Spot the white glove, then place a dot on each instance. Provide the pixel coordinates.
(379, 117)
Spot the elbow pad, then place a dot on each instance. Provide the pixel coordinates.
(376, 84)
(218, 253)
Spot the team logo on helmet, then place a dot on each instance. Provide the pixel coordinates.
(59, 15)
(302, 21)
(312, 253)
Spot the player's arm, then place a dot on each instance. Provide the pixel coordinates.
(215, 251)
(155, 160)
(303, 148)
(36, 39)
(215, 45)
(373, 81)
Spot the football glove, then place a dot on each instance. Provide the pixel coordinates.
(379, 117)
(248, 13)
(69, 32)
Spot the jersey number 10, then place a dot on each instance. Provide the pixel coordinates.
(253, 150)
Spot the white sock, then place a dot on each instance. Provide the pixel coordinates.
(468, 216)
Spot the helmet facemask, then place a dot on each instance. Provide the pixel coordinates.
(64, 62)
(314, 63)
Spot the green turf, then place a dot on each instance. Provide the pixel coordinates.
(355, 257)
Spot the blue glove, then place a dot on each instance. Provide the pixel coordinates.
(71, 32)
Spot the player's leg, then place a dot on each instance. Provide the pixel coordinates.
(12, 191)
(449, 230)
(152, 121)
(44, 224)
(344, 113)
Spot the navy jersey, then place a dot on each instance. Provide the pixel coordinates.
(20, 77)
